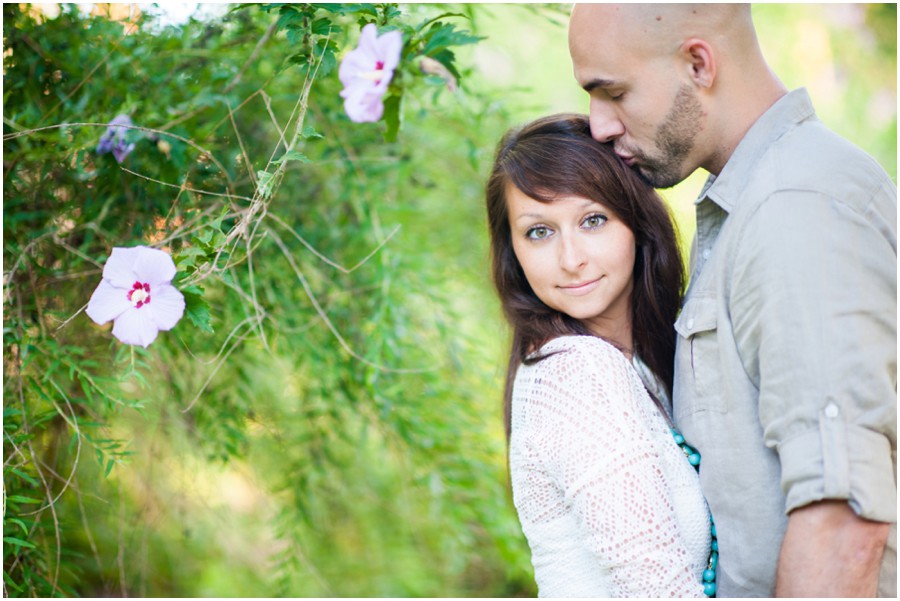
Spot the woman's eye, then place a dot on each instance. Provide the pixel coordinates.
(538, 233)
(593, 221)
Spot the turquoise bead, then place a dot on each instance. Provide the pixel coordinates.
(715, 545)
(709, 575)
(713, 529)
(709, 589)
(714, 560)
(694, 458)
(679, 439)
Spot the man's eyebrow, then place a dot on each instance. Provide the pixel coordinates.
(591, 85)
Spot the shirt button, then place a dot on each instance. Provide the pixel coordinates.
(705, 253)
(831, 410)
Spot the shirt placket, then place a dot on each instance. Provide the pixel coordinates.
(710, 218)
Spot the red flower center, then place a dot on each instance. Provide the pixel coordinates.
(379, 67)
(139, 295)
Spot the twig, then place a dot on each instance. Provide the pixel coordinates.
(256, 50)
(325, 259)
(331, 326)
(187, 141)
(221, 363)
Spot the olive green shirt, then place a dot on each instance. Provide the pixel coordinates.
(786, 362)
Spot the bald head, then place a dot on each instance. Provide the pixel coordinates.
(648, 30)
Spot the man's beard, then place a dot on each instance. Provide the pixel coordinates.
(674, 140)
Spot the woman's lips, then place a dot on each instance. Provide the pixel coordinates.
(581, 288)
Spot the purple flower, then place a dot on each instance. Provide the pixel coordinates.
(137, 293)
(114, 139)
(367, 71)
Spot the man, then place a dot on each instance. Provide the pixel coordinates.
(786, 359)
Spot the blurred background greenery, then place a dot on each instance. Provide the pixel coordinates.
(320, 431)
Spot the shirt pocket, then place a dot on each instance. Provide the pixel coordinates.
(698, 377)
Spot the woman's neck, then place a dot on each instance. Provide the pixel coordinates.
(615, 331)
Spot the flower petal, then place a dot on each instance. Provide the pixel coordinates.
(368, 41)
(166, 307)
(390, 45)
(107, 302)
(354, 63)
(121, 120)
(121, 150)
(154, 266)
(364, 108)
(119, 268)
(136, 326)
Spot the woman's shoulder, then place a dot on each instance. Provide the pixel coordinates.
(578, 348)
(573, 381)
(575, 365)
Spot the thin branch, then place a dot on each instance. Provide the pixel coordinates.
(190, 143)
(184, 187)
(268, 102)
(325, 259)
(328, 322)
(40, 474)
(221, 363)
(250, 59)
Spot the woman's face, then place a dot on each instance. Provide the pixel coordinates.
(578, 257)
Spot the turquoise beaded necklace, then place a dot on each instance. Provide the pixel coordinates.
(709, 574)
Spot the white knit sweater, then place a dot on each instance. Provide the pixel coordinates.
(608, 502)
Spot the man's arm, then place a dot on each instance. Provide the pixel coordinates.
(829, 551)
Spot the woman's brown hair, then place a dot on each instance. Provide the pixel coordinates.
(555, 156)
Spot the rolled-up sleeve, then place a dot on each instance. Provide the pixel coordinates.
(814, 300)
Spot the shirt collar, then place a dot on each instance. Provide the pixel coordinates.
(788, 111)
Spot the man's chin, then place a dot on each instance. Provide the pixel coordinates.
(655, 179)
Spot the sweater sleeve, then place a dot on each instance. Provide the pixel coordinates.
(589, 437)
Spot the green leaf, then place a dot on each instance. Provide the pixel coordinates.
(187, 257)
(325, 50)
(196, 309)
(21, 499)
(324, 26)
(18, 542)
(392, 117)
(444, 35)
(25, 477)
(18, 523)
(264, 184)
(292, 155)
(309, 133)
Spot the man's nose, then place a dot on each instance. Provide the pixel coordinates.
(605, 124)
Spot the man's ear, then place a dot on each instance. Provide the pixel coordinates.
(701, 60)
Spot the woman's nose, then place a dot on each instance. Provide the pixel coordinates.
(571, 255)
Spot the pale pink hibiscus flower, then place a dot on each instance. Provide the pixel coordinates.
(366, 73)
(137, 294)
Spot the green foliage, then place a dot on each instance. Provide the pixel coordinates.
(318, 367)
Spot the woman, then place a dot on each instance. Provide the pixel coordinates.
(587, 268)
